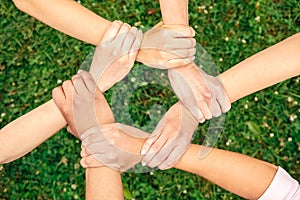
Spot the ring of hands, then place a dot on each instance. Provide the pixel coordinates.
(90, 118)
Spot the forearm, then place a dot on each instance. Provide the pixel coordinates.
(103, 183)
(174, 12)
(237, 173)
(30, 130)
(266, 68)
(67, 16)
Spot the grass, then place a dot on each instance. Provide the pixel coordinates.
(35, 58)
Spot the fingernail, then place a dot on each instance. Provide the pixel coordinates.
(79, 71)
(196, 111)
(193, 58)
(144, 164)
(143, 152)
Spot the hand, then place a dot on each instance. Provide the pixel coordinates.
(111, 145)
(115, 56)
(170, 139)
(201, 93)
(77, 100)
(167, 46)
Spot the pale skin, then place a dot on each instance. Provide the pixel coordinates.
(83, 16)
(47, 119)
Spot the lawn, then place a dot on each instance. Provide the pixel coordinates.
(35, 58)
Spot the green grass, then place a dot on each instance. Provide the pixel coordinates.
(35, 57)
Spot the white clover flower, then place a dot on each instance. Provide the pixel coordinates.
(293, 117)
(184, 191)
(244, 41)
(228, 142)
(290, 139)
(74, 186)
(271, 135)
(246, 106)
(133, 79)
(205, 11)
(221, 59)
(3, 114)
(255, 98)
(226, 39)
(290, 99)
(276, 92)
(257, 18)
(59, 81)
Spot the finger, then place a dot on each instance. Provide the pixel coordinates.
(150, 142)
(174, 157)
(68, 89)
(180, 43)
(80, 86)
(70, 130)
(84, 152)
(88, 81)
(179, 62)
(129, 40)
(154, 136)
(183, 53)
(111, 32)
(215, 108)
(204, 109)
(90, 162)
(92, 140)
(120, 39)
(58, 96)
(137, 42)
(179, 30)
(224, 101)
(161, 156)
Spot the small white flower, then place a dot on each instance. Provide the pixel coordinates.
(196, 26)
(228, 142)
(257, 18)
(59, 81)
(205, 11)
(293, 117)
(276, 92)
(226, 39)
(133, 79)
(289, 99)
(184, 191)
(3, 114)
(255, 98)
(210, 7)
(221, 59)
(74, 186)
(290, 139)
(151, 173)
(271, 134)
(246, 106)
(244, 41)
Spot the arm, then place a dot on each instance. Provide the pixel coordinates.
(268, 67)
(67, 16)
(30, 130)
(240, 174)
(169, 7)
(99, 188)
